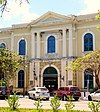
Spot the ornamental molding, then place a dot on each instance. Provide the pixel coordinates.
(22, 34)
(51, 55)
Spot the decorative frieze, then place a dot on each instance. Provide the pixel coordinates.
(51, 55)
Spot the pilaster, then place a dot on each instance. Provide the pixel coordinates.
(12, 42)
(38, 44)
(33, 45)
(64, 42)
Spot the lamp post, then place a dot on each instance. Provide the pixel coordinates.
(34, 74)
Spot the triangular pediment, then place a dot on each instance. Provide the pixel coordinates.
(50, 17)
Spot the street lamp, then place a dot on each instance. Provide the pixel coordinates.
(34, 74)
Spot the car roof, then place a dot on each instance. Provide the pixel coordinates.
(38, 87)
(69, 86)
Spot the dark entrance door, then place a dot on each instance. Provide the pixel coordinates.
(50, 78)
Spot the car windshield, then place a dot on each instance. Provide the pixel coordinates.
(98, 91)
(74, 89)
(42, 89)
(2, 88)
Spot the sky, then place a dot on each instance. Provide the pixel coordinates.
(26, 13)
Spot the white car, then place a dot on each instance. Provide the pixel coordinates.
(94, 96)
(37, 92)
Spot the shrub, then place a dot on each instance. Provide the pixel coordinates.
(13, 101)
(94, 106)
(55, 103)
(69, 105)
(38, 103)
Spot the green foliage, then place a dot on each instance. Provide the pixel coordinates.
(91, 61)
(55, 103)
(98, 17)
(94, 106)
(9, 63)
(38, 103)
(69, 105)
(34, 110)
(13, 101)
(1, 1)
(3, 83)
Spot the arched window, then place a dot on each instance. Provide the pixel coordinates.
(51, 44)
(3, 45)
(21, 79)
(88, 78)
(22, 47)
(88, 42)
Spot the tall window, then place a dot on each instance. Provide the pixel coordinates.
(51, 44)
(3, 45)
(88, 42)
(88, 78)
(21, 79)
(22, 47)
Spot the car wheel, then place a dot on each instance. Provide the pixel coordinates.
(33, 96)
(64, 98)
(89, 98)
(29, 96)
(47, 99)
(76, 99)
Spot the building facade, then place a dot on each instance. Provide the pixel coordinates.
(49, 44)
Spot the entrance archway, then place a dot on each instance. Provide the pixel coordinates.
(50, 78)
(88, 78)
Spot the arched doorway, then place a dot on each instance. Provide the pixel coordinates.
(88, 78)
(21, 79)
(50, 78)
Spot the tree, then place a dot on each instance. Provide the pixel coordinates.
(92, 61)
(3, 4)
(98, 17)
(9, 64)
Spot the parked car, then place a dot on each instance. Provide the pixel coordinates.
(63, 92)
(4, 92)
(95, 96)
(37, 92)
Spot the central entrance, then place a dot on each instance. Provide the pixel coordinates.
(50, 78)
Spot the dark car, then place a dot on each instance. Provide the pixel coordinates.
(65, 91)
(4, 92)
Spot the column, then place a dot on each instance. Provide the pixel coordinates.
(31, 77)
(37, 71)
(38, 44)
(70, 73)
(63, 72)
(70, 43)
(33, 45)
(12, 42)
(64, 42)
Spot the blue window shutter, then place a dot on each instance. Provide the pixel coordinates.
(51, 44)
(88, 42)
(22, 47)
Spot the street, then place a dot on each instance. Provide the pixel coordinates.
(29, 103)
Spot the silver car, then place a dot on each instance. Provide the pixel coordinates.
(94, 96)
(37, 92)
